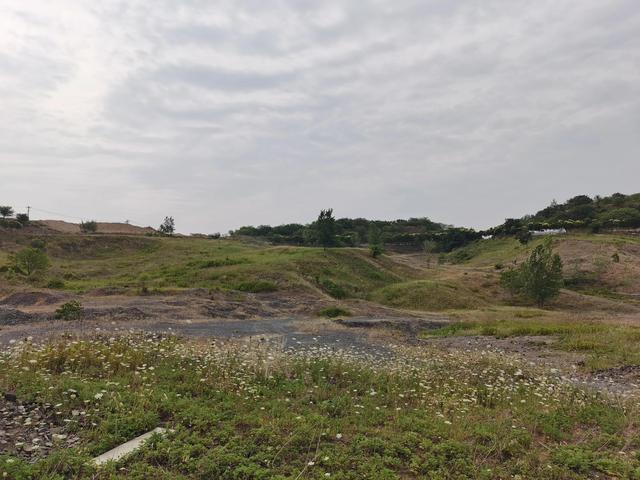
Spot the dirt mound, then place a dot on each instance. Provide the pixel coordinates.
(116, 313)
(103, 227)
(31, 299)
(13, 316)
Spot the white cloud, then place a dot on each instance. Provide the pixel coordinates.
(233, 112)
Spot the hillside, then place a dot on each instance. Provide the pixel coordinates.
(605, 267)
(103, 227)
(617, 211)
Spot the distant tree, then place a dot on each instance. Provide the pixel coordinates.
(6, 211)
(376, 245)
(168, 226)
(31, 261)
(620, 217)
(90, 226)
(23, 218)
(539, 278)
(523, 235)
(326, 228)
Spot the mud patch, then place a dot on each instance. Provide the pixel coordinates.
(410, 325)
(115, 313)
(629, 374)
(13, 316)
(32, 299)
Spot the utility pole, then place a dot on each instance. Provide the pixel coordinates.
(28, 211)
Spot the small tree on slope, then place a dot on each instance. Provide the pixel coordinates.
(326, 228)
(539, 278)
(168, 226)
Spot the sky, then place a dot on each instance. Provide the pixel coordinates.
(228, 113)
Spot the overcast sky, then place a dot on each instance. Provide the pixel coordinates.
(226, 113)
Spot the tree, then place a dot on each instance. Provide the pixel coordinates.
(523, 235)
(326, 228)
(539, 278)
(31, 261)
(6, 211)
(376, 246)
(168, 226)
(23, 218)
(90, 226)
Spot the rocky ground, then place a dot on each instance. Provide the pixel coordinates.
(30, 431)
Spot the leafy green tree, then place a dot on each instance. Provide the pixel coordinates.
(539, 278)
(326, 228)
(523, 235)
(168, 226)
(31, 261)
(376, 245)
(23, 218)
(90, 226)
(6, 211)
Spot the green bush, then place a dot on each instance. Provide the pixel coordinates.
(539, 278)
(31, 261)
(90, 226)
(72, 310)
(55, 283)
(334, 312)
(257, 286)
(332, 288)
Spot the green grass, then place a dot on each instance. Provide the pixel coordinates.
(604, 345)
(130, 264)
(430, 295)
(256, 414)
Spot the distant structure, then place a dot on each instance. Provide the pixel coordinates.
(549, 231)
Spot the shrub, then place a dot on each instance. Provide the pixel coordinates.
(375, 250)
(31, 261)
(334, 312)
(257, 286)
(38, 244)
(56, 283)
(332, 288)
(72, 310)
(539, 278)
(23, 218)
(90, 226)
(6, 211)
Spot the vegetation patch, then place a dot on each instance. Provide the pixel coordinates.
(254, 413)
(429, 295)
(72, 310)
(257, 286)
(334, 312)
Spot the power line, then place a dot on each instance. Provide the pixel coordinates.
(73, 216)
(56, 213)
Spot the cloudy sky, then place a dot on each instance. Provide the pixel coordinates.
(225, 113)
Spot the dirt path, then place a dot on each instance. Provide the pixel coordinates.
(363, 337)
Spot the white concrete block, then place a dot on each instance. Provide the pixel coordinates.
(126, 448)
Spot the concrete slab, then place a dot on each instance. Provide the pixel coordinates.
(126, 448)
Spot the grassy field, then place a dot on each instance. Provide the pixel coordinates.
(159, 264)
(467, 279)
(242, 413)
